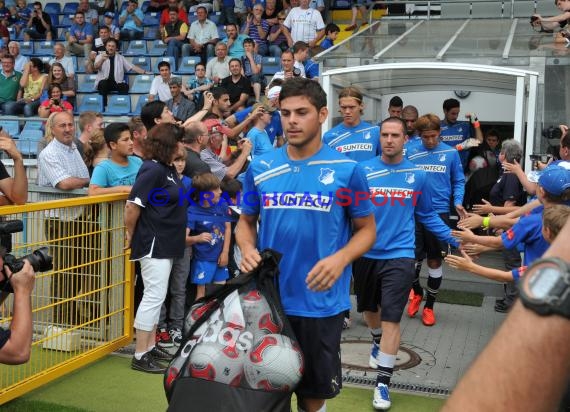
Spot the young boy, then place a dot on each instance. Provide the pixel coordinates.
(331, 33)
(116, 174)
(209, 233)
(257, 134)
(196, 86)
(169, 333)
(231, 189)
(251, 63)
(553, 220)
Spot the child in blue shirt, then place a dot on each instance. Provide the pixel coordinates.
(331, 33)
(209, 233)
(257, 134)
(251, 64)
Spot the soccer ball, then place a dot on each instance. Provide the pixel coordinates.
(196, 312)
(274, 364)
(213, 361)
(259, 318)
(478, 162)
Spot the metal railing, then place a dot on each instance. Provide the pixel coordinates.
(82, 309)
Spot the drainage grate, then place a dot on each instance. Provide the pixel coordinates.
(371, 381)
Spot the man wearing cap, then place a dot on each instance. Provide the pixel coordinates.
(553, 189)
(131, 22)
(159, 88)
(218, 141)
(180, 107)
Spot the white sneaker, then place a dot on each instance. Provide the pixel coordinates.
(381, 401)
(374, 353)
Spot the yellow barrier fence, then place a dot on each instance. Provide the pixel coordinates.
(82, 308)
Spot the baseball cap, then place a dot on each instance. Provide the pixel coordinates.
(555, 180)
(214, 125)
(109, 14)
(273, 92)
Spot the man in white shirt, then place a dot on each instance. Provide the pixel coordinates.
(60, 57)
(218, 69)
(305, 24)
(19, 60)
(159, 86)
(203, 35)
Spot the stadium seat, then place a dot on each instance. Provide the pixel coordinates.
(222, 32)
(31, 125)
(118, 105)
(44, 59)
(169, 59)
(28, 144)
(11, 126)
(145, 5)
(52, 8)
(143, 62)
(43, 48)
(136, 48)
(187, 65)
(142, 84)
(54, 19)
(151, 33)
(341, 4)
(86, 84)
(27, 48)
(151, 19)
(158, 48)
(66, 20)
(270, 65)
(142, 100)
(70, 8)
(214, 17)
(92, 102)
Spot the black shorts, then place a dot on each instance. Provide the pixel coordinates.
(319, 339)
(383, 283)
(427, 245)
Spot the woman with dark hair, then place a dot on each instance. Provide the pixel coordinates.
(58, 75)
(54, 102)
(156, 112)
(155, 222)
(32, 85)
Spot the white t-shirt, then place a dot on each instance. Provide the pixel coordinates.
(304, 24)
(160, 87)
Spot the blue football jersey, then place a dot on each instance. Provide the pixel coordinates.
(359, 143)
(398, 198)
(305, 207)
(444, 171)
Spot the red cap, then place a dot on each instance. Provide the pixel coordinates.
(215, 123)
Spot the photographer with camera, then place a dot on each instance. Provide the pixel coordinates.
(54, 102)
(289, 67)
(39, 26)
(15, 343)
(14, 189)
(549, 24)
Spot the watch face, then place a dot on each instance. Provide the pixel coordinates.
(541, 285)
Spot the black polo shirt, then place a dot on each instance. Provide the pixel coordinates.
(161, 229)
(243, 85)
(195, 165)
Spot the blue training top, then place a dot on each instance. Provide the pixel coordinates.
(444, 171)
(359, 143)
(302, 217)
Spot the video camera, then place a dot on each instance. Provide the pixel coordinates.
(552, 132)
(40, 259)
(539, 157)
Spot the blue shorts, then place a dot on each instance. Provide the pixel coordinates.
(203, 272)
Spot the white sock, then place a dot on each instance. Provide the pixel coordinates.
(139, 355)
(150, 348)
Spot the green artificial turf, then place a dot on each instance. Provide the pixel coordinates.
(110, 385)
(456, 297)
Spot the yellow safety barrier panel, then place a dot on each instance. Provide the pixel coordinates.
(82, 308)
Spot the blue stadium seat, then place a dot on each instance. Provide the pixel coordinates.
(142, 100)
(31, 125)
(124, 5)
(143, 62)
(44, 59)
(86, 84)
(28, 144)
(118, 105)
(52, 8)
(158, 48)
(169, 59)
(11, 126)
(214, 17)
(142, 84)
(187, 64)
(341, 4)
(270, 65)
(43, 48)
(27, 48)
(222, 32)
(151, 19)
(70, 8)
(145, 5)
(136, 48)
(54, 19)
(151, 33)
(93, 102)
(66, 20)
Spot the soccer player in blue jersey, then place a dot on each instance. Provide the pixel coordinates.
(445, 182)
(383, 276)
(318, 233)
(458, 133)
(355, 138)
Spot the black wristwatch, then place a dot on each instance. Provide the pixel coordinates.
(545, 287)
